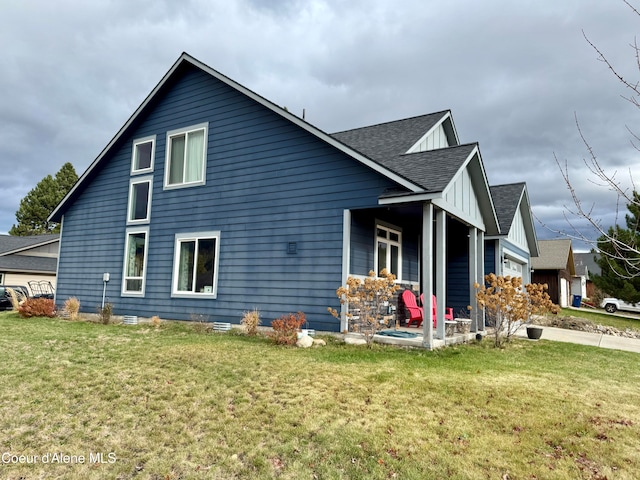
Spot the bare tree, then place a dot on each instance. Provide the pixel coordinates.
(622, 248)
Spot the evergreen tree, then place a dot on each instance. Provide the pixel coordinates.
(620, 257)
(38, 204)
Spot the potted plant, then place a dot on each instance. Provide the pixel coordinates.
(463, 321)
(534, 332)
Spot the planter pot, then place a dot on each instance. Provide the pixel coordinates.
(534, 333)
(463, 325)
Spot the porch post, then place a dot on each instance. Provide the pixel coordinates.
(346, 261)
(426, 280)
(441, 273)
(473, 275)
(480, 280)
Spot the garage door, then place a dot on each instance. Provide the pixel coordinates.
(512, 268)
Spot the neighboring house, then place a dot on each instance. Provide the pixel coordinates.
(555, 267)
(211, 200)
(28, 259)
(586, 266)
(509, 254)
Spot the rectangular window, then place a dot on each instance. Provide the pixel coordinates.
(143, 153)
(389, 249)
(195, 269)
(186, 152)
(135, 262)
(139, 210)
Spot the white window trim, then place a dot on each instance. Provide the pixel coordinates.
(135, 181)
(133, 231)
(180, 131)
(136, 142)
(180, 237)
(390, 228)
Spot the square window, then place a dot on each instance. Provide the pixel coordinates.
(143, 153)
(186, 151)
(196, 264)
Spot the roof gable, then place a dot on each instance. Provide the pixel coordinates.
(512, 206)
(554, 255)
(187, 61)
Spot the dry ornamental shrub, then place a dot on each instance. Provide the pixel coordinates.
(37, 307)
(251, 321)
(367, 300)
(155, 321)
(16, 298)
(286, 328)
(508, 304)
(105, 313)
(72, 307)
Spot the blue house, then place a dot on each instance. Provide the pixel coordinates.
(510, 252)
(211, 200)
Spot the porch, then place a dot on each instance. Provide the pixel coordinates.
(414, 338)
(431, 252)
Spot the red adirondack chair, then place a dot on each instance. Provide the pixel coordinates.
(448, 311)
(415, 312)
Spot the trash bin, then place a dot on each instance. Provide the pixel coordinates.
(577, 300)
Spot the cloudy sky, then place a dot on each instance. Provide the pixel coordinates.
(514, 74)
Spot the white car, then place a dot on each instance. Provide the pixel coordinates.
(613, 304)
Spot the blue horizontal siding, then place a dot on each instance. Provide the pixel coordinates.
(268, 183)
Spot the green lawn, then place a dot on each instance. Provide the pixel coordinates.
(170, 403)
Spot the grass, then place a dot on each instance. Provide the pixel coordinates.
(617, 321)
(170, 403)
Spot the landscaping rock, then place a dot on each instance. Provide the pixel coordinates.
(354, 340)
(318, 342)
(574, 323)
(305, 341)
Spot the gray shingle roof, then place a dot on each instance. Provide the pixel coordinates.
(554, 255)
(28, 263)
(9, 243)
(506, 200)
(433, 169)
(387, 144)
(386, 140)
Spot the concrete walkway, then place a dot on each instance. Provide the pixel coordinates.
(586, 338)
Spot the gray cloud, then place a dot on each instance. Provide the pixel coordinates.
(514, 75)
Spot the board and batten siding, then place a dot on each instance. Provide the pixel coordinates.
(268, 183)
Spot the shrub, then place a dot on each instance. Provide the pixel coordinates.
(72, 307)
(251, 320)
(155, 321)
(200, 323)
(105, 313)
(286, 328)
(508, 304)
(15, 297)
(369, 299)
(37, 307)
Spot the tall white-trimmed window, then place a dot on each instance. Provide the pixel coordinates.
(186, 152)
(139, 210)
(195, 265)
(144, 150)
(388, 252)
(135, 261)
